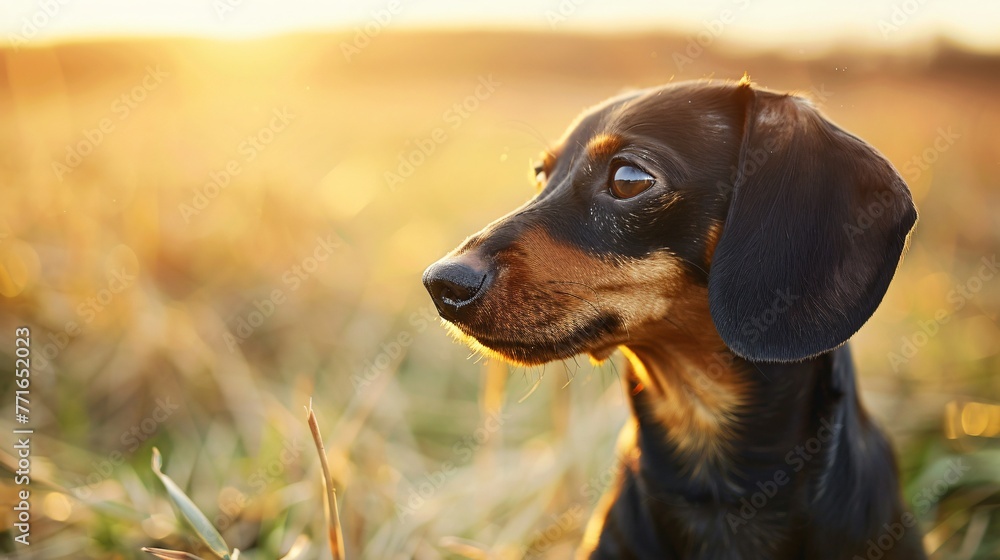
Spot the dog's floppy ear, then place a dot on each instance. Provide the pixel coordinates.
(817, 223)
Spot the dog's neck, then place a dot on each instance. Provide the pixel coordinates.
(710, 425)
(727, 458)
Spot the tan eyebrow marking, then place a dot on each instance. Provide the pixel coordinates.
(604, 145)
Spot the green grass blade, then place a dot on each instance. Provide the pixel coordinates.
(201, 525)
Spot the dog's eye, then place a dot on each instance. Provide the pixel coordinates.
(629, 181)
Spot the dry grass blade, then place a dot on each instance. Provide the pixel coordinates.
(935, 538)
(465, 547)
(332, 513)
(299, 548)
(974, 535)
(201, 525)
(170, 554)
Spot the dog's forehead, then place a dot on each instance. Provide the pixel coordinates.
(657, 112)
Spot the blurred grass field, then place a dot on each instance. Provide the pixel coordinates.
(203, 235)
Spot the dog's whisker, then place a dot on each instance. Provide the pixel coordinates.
(588, 286)
(695, 265)
(531, 130)
(583, 299)
(531, 391)
(569, 378)
(621, 385)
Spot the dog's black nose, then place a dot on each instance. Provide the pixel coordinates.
(454, 283)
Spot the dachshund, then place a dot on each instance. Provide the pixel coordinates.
(729, 240)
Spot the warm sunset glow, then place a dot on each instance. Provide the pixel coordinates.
(217, 214)
(885, 23)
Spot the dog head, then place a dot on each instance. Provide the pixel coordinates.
(720, 202)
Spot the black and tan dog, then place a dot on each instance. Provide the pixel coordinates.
(729, 240)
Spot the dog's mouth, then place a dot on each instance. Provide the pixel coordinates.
(595, 337)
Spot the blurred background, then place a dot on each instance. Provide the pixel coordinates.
(213, 211)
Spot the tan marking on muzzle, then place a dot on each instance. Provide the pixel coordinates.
(633, 289)
(550, 290)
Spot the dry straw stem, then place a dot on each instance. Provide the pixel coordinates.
(331, 511)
